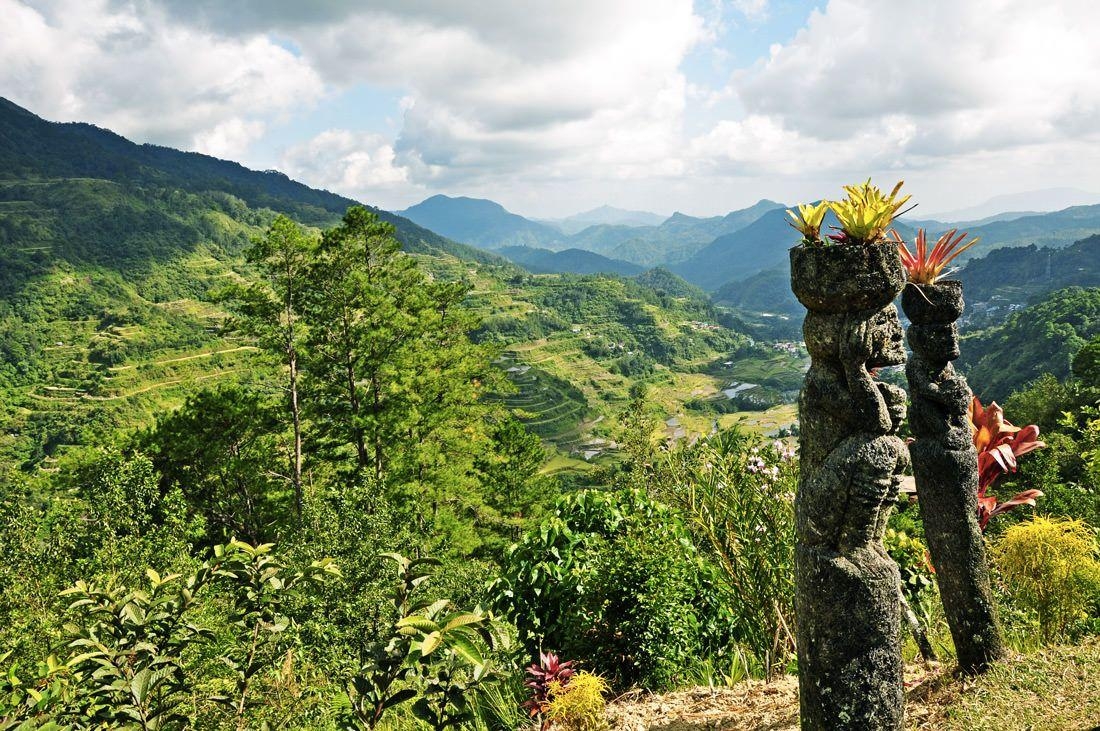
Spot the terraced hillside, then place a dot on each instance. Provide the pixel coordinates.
(573, 346)
(111, 256)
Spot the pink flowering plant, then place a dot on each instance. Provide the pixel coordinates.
(737, 498)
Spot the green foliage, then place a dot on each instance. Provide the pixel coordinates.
(1051, 568)
(441, 653)
(261, 587)
(128, 649)
(135, 655)
(612, 580)
(217, 452)
(910, 554)
(738, 501)
(1039, 339)
(392, 375)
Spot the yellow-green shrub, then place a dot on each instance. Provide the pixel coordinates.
(1050, 566)
(578, 705)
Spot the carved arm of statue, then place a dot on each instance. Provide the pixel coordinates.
(868, 405)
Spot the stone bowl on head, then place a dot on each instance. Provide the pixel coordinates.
(846, 277)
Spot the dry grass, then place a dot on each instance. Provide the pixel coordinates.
(1055, 689)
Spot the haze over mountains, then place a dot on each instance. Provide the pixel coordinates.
(714, 251)
(1014, 205)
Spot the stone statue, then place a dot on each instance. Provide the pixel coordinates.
(945, 467)
(852, 462)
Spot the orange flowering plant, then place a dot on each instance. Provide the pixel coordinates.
(999, 443)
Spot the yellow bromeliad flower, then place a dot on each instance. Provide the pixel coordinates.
(867, 212)
(808, 220)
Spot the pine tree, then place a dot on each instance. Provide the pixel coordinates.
(270, 310)
(394, 381)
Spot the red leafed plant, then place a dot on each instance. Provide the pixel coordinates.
(999, 443)
(925, 266)
(540, 676)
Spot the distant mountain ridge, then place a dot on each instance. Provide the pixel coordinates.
(487, 224)
(605, 215)
(1038, 201)
(572, 261)
(479, 222)
(1029, 254)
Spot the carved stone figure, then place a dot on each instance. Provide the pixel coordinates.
(945, 468)
(852, 461)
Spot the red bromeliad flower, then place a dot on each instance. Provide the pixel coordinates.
(925, 265)
(549, 670)
(999, 443)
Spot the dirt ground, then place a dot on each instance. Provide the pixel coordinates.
(757, 706)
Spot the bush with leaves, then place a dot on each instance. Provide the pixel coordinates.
(612, 580)
(261, 586)
(432, 654)
(578, 704)
(135, 655)
(1050, 567)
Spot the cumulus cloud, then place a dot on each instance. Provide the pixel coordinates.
(966, 77)
(344, 160)
(571, 97)
(146, 76)
(500, 88)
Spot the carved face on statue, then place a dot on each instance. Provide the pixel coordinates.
(875, 338)
(887, 347)
(937, 341)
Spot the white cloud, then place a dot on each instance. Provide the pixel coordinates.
(229, 138)
(343, 160)
(534, 89)
(975, 76)
(146, 76)
(547, 103)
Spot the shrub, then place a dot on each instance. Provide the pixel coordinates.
(612, 580)
(578, 705)
(1050, 567)
(738, 500)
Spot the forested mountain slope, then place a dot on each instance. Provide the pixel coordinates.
(1016, 274)
(110, 256)
(1039, 339)
(33, 150)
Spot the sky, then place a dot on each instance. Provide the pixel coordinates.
(551, 107)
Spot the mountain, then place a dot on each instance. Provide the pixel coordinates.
(663, 281)
(1020, 273)
(489, 225)
(573, 261)
(111, 257)
(1048, 199)
(761, 245)
(605, 215)
(32, 148)
(768, 291)
(482, 223)
(1058, 228)
(674, 240)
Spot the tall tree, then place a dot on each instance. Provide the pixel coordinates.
(270, 310)
(393, 376)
